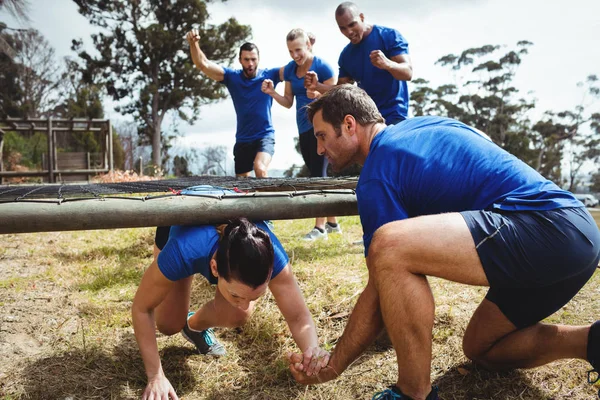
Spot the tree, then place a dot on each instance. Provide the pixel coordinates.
(17, 8)
(29, 84)
(143, 59)
(214, 160)
(484, 97)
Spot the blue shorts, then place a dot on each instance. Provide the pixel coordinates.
(244, 153)
(535, 261)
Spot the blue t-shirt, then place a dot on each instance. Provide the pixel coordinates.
(389, 94)
(190, 248)
(252, 106)
(324, 72)
(433, 165)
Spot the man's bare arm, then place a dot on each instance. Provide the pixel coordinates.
(209, 68)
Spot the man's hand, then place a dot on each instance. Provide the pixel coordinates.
(159, 387)
(379, 59)
(310, 80)
(193, 37)
(268, 87)
(325, 374)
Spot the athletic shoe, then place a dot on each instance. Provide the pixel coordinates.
(315, 234)
(393, 392)
(593, 353)
(205, 341)
(333, 229)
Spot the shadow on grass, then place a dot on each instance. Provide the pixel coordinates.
(95, 374)
(467, 381)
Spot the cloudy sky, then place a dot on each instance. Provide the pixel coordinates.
(566, 37)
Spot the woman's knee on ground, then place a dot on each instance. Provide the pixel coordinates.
(238, 318)
(170, 328)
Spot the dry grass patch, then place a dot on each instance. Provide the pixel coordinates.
(65, 326)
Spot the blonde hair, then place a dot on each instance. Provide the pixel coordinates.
(294, 34)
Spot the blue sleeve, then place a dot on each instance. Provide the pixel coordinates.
(324, 71)
(281, 258)
(395, 43)
(226, 75)
(171, 261)
(343, 73)
(274, 75)
(287, 71)
(378, 204)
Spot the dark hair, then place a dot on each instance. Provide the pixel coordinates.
(344, 100)
(346, 6)
(249, 47)
(245, 254)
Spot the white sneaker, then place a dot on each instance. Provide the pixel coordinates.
(315, 234)
(333, 229)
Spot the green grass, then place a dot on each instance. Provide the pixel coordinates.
(71, 293)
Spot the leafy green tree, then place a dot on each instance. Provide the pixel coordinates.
(143, 59)
(485, 97)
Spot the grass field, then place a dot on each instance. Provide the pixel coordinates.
(65, 327)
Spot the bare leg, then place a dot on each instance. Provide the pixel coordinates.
(320, 223)
(494, 342)
(400, 255)
(219, 313)
(261, 164)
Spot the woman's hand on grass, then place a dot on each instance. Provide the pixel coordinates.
(159, 388)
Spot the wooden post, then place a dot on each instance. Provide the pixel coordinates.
(50, 152)
(88, 165)
(111, 156)
(141, 167)
(1, 158)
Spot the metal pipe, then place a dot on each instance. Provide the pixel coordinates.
(21, 217)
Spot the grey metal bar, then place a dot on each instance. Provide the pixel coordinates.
(21, 217)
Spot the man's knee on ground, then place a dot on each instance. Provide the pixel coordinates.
(479, 355)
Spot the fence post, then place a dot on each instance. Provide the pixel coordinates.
(51, 144)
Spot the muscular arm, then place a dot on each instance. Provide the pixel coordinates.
(290, 301)
(364, 325)
(209, 68)
(400, 66)
(287, 100)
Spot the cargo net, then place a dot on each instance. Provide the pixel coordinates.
(148, 190)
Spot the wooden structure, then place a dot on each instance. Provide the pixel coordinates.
(58, 166)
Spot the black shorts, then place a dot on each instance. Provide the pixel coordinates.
(317, 165)
(162, 236)
(535, 261)
(245, 153)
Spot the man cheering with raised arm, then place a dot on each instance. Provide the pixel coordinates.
(255, 136)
